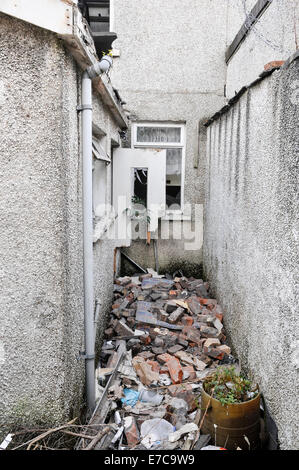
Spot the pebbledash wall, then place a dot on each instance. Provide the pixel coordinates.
(171, 69)
(250, 236)
(251, 212)
(41, 275)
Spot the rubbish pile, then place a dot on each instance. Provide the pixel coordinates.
(164, 338)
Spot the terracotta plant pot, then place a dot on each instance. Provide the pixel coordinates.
(232, 426)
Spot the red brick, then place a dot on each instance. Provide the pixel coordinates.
(175, 370)
(187, 320)
(191, 372)
(154, 365)
(145, 339)
(163, 358)
(173, 293)
(131, 432)
(273, 64)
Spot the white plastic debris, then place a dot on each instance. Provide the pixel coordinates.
(154, 431)
(189, 427)
(139, 333)
(117, 418)
(164, 379)
(4, 444)
(150, 396)
(118, 435)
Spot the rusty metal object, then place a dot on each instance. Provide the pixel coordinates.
(232, 426)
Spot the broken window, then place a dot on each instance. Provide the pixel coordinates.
(171, 138)
(140, 186)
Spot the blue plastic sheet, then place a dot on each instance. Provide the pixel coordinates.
(131, 397)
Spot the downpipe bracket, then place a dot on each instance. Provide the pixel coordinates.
(82, 107)
(82, 356)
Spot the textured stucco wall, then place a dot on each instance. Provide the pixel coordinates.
(251, 237)
(41, 302)
(273, 37)
(171, 68)
(40, 241)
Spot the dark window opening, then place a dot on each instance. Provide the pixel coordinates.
(140, 186)
(173, 195)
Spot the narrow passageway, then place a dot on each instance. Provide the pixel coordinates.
(164, 338)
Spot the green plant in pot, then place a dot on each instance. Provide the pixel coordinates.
(230, 407)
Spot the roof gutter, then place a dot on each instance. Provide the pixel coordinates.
(64, 18)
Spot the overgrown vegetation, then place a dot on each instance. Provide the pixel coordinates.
(228, 387)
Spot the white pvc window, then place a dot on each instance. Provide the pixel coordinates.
(101, 160)
(172, 138)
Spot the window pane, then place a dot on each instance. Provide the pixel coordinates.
(159, 134)
(173, 177)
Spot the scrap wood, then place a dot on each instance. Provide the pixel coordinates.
(97, 438)
(102, 409)
(50, 431)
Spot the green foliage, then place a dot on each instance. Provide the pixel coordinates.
(228, 387)
(137, 213)
(107, 53)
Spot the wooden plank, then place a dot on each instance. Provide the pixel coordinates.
(253, 17)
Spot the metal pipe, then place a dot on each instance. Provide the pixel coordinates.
(86, 108)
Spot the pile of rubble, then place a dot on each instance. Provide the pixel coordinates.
(164, 337)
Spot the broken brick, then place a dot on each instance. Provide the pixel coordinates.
(131, 431)
(211, 342)
(175, 370)
(154, 365)
(192, 334)
(224, 348)
(175, 348)
(194, 305)
(122, 329)
(186, 320)
(176, 315)
(189, 372)
(144, 371)
(209, 332)
(109, 333)
(163, 358)
(273, 64)
(146, 355)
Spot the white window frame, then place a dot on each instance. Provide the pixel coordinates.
(165, 145)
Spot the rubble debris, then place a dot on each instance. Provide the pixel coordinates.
(187, 428)
(154, 431)
(169, 333)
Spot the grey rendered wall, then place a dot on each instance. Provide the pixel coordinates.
(40, 242)
(274, 37)
(171, 68)
(250, 237)
(41, 302)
